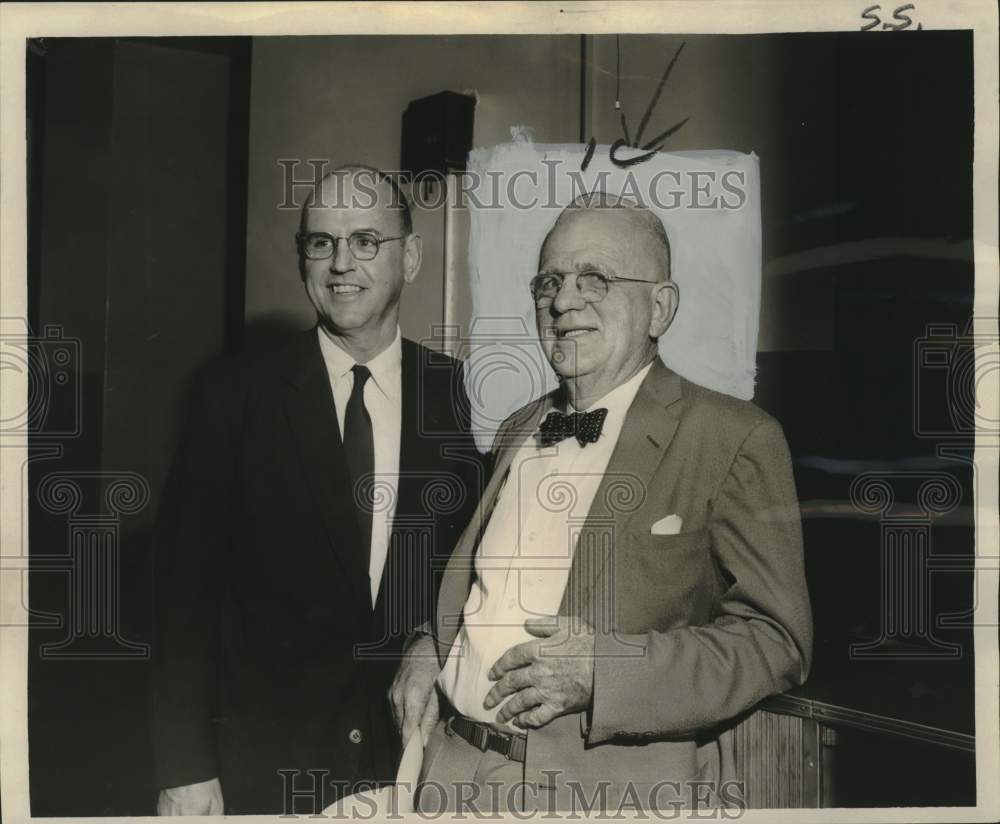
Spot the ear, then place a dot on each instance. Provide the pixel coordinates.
(413, 252)
(666, 298)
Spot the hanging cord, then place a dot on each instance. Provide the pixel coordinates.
(618, 91)
(618, 73)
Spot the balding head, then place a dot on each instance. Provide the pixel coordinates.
(647, 227)
(355, 185)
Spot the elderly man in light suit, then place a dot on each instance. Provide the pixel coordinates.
(633, 579)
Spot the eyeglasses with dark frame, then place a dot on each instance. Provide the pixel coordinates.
(322, 245)
(591, 284)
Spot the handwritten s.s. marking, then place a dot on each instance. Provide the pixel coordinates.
(905, 21)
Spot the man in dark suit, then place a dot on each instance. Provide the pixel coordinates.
(315, 488)
(632, 580)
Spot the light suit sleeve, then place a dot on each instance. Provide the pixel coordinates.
(760, 640)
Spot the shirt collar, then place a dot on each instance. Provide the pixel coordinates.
(385, 367)
(619, 399)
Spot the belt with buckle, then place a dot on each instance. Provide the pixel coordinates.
(482, 736)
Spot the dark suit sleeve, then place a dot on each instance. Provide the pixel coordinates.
(191, 544)
(759, 643)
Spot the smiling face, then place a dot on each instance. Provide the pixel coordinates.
(358, 300)
(598, 346)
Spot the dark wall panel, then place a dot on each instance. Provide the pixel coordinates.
(139, 194)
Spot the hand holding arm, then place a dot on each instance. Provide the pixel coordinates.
(412, 689)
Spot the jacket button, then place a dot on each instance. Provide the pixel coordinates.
(355, 736)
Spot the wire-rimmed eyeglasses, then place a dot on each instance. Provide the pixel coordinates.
(592, 285)
(322, 245)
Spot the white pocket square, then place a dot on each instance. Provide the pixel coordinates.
(670, 525)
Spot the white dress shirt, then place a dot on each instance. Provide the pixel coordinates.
(383, 399)
(523, 560)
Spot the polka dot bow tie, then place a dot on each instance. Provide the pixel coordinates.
(584, 426)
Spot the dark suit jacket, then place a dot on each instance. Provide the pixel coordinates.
(693, 628)
(268, 653)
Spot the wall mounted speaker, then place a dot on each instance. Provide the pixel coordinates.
(437, 133)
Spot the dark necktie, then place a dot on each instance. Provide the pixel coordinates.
(584, 426)
(360, 449)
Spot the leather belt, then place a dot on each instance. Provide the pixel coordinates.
(482, 736)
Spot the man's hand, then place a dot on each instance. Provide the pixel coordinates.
(203, 798)
(412, 690)
(546, 678)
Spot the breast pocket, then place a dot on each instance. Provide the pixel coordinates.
(681, 542)
(660, 579)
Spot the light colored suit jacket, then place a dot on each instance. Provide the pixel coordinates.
(692, 629)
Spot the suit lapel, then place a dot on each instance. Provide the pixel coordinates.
(411, 530)
(416, 454)
(646, 433)
(458, 576)
(312, 417)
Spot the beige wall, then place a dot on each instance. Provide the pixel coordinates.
(342, 98)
